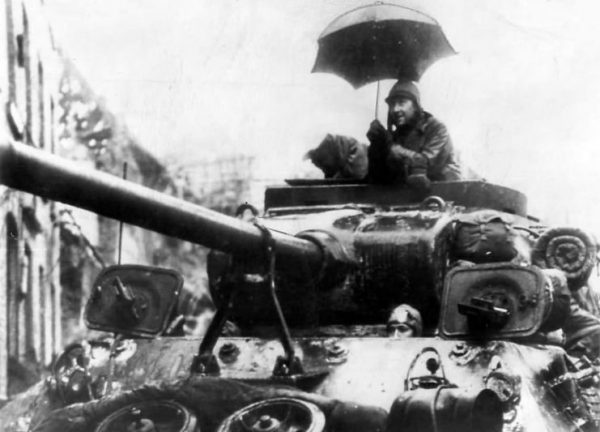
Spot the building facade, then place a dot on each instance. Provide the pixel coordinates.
(30, 291)
(51, 253)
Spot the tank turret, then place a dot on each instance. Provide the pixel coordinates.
(345, 253)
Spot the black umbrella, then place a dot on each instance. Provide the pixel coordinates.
(381, 41)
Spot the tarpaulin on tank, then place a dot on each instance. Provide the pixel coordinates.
(484, 236)
(211, 400)
(340, 156)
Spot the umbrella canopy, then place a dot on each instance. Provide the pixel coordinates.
(381, 41)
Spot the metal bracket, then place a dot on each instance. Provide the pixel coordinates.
(205, 361)
(288, 364)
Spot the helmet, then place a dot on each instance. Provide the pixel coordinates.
(405, 88)
(408, 316)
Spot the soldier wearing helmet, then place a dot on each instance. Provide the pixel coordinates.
(404, 322)
(415, 147)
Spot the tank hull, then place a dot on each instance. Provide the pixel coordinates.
(369, 371)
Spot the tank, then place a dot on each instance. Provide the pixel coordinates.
(310, 333)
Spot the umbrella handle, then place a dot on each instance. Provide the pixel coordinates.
(377, 102)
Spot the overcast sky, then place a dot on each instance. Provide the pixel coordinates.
(196, 79)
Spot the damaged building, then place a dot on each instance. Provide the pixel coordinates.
(50, 253)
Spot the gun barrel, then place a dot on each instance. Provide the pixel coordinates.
(40, 173)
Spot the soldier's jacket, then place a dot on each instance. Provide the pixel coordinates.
(582, 333)
(427, 142)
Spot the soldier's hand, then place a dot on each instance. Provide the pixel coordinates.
(378, 134)
(401, 153)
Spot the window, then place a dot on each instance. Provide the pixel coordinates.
(26, 350)
(54, 321)
(12, 285)
(42, 129)
(46, 318)
(52, 126)
(29, 106)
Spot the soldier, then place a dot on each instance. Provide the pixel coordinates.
(340, 157)
(415, 147)
(404, 322)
